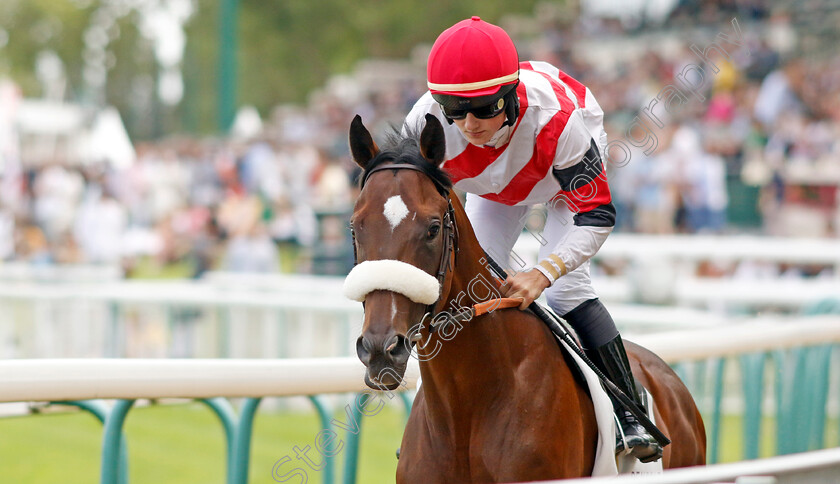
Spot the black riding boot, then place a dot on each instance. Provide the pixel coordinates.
(611, 359)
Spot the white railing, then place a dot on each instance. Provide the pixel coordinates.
(761, 334)
(663, 269)
(97, 378)
(86, 311)
(196, 319)
(86, 378)
(816, 467)
(67, 273)
(241, 316)
(130, 379)
(716, 248)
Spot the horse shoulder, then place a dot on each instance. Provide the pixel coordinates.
(547, 426)
(424, 458)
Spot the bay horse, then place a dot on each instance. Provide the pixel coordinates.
(498, 401)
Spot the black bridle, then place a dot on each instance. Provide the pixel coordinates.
(448, 229)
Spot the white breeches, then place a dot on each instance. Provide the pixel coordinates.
(498, 226)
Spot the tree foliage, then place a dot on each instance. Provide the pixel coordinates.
(286, 48)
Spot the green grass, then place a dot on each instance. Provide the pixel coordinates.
(180, 444)
(732, 437)
(288, 258)
(148, 268)
(184, 444)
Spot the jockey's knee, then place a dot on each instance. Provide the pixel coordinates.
(593, 323)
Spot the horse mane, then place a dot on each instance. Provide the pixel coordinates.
(404, 147)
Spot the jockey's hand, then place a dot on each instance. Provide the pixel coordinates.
(527, 285)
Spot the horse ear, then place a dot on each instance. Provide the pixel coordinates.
(362, 146)
(433, 141)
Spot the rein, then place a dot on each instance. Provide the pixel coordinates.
(481, 308)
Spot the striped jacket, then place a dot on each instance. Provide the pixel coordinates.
(551, 155)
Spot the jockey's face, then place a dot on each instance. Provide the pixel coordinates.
(479, 131)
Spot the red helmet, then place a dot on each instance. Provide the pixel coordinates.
(471, 59)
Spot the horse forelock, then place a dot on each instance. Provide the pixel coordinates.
(405, 148)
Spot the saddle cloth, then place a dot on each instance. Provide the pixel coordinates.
(606, 462)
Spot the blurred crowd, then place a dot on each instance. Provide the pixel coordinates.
(209, 204)
(750, 142)
(280, 200)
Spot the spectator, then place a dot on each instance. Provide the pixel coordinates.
(779, 93)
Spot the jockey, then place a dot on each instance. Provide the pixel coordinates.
(519, 134)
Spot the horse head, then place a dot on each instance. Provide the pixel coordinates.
(402, 229)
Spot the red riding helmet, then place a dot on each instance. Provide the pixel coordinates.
(473, 64)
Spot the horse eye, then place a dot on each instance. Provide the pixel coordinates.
(433, 231)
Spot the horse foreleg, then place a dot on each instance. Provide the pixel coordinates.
(423, 457)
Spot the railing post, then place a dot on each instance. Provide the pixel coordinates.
(282, 330)
(351, 459)
(788, 370)
(113, 338)
(719, 365)
(224, 410)
(242, 440)
(329, 460)
(837, 349)
(801, 406)
(752, 381)
(110, 471)
(98, 409)
(819, 361)
(700, 379)
(223, 332)
(801, 392)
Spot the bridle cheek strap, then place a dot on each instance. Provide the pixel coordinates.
(391, 275)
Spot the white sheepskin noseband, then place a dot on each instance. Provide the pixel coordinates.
(391, 275)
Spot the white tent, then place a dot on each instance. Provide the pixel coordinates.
(109, 141)
(9, 101)
(72, 134)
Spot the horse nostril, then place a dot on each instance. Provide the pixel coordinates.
(399, 349)
(392, 344)
(363, 347)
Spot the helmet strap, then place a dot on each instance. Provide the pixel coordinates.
(511, 106)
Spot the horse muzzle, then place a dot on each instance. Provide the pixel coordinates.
(385, 358)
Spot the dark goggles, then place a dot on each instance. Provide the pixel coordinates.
(481, 112)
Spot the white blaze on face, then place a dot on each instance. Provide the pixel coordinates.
(395, 211)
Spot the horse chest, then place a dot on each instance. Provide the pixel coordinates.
(497, 442)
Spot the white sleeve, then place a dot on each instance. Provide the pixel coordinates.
(580, 244)
(583, 239)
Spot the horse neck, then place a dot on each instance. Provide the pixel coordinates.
(476, 354)
(471, 270)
